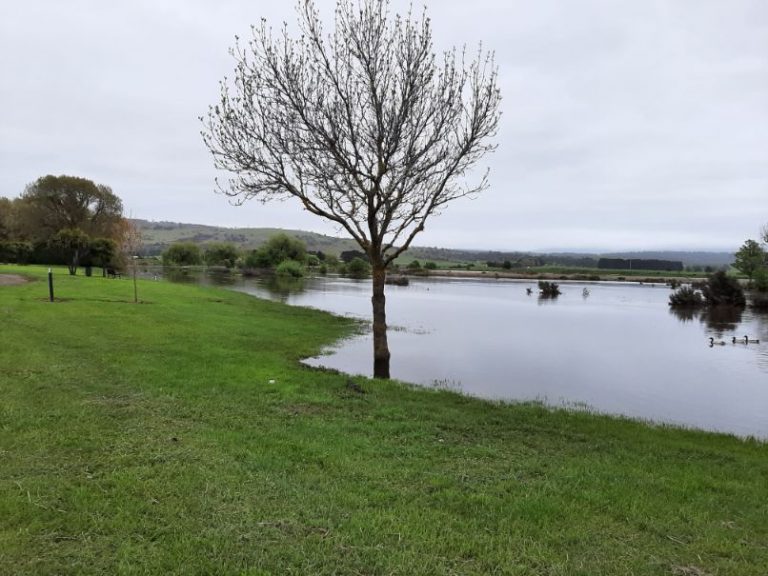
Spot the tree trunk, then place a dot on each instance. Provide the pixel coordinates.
(380, 345)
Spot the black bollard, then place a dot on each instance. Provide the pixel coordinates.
(50, 284)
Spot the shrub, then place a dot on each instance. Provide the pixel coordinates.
(358, 268)
(312, 260)
(760, 280)
(723, 289)
(414, 265)
(290, 268)
(221, 254)
(430, 266)
(548, 289)
(183, 254)
(278, 248)
(15, 252)
(686, 297)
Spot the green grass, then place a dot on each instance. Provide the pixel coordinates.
(181, 436)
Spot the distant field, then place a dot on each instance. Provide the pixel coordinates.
(157, 236)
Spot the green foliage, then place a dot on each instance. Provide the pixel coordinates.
(721, 289)
(760, 279)
(358, 268)
(686, 297)
(221, 254)
(749, 258)
(183, 254)
(278, 248)
(312, 260)
(430, 266)
(54, 203)
(190, 436)
(15, 252)
(73, 243)
(6, 209)
(414, 265)
(290, 268)
(102, 251)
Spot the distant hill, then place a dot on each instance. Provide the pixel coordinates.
(157, 236)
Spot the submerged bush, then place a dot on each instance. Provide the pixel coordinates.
(276, 250)
(723, 289)
(548, 289)
(183, 254)
(686, 297)
(358, 268)
(290, 268)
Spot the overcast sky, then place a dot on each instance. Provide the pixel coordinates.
(626, 124)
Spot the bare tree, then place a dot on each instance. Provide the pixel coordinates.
(365, 127)
(130, 244)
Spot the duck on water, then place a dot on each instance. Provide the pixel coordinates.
(745, 340)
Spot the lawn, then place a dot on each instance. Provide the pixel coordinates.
(182, 436)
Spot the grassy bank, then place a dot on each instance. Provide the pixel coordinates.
(181, 436)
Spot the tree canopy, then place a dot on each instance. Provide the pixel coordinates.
(54, 203)
(183, 254)
(60, 219)
(749, 258)
(278, 248)
(365, 127)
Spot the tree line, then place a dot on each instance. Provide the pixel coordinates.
(283, 254)
(64, 220)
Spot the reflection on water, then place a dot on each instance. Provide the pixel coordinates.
(282, 287)
(619, 350)
(719, 319)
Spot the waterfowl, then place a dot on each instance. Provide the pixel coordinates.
(713, 342)
(748, 341)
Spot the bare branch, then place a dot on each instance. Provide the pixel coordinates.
(366, 127)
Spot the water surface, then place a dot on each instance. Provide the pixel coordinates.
(617, 350)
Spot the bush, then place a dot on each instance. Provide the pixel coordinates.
(430, 266)
(358, 268)
(760, 280)
(548, 289)
(722, 289)
(686, 297)
(312, 260)
(290, 268)
(414, 265)
(183, 254)
(221, 254)
(15, 252)
(278, 248)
